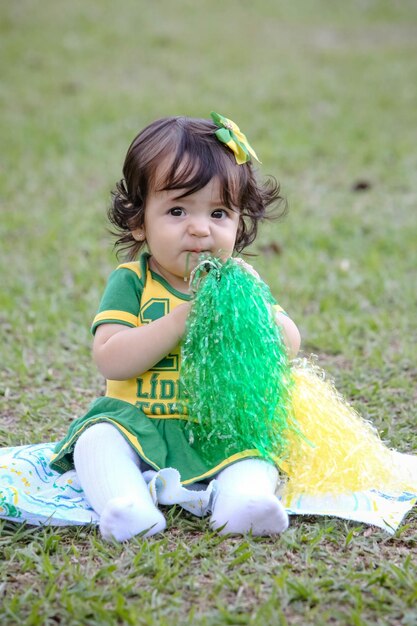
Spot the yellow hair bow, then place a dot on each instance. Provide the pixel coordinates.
(231, 135)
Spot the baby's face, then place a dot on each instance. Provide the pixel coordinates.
(179, 229)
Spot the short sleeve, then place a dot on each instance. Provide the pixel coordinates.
(120, 303)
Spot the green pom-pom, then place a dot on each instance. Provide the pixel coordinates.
(235, 372)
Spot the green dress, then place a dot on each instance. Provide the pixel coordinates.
(148, 410)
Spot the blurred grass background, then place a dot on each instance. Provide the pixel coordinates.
(327, 93)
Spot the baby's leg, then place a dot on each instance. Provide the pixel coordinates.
(246, 502)
(108, 470)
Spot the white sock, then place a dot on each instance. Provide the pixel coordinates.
(246, 500)
(109, 472)
(125, 517)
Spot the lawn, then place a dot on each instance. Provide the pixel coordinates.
(327, 94)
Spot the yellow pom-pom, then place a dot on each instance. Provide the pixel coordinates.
(339, 451)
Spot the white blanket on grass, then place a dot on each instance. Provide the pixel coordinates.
(31, 492)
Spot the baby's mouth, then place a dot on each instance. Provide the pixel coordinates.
(193, 258)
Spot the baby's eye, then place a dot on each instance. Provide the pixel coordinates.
(219, 214)
(176, 211)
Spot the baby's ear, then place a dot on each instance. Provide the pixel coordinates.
(138, 234)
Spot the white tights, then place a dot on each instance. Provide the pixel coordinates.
(246, 501)
(109, 472)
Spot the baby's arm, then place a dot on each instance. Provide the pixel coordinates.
(121, 353)
(290, 333)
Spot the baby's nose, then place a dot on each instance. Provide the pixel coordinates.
(199, 227)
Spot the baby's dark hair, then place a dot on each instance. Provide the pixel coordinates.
(194, 156)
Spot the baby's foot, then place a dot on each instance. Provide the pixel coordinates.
(262, 514)
(123, 518)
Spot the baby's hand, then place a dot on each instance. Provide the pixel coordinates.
(247, 267)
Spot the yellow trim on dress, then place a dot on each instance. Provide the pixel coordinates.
(222, 465)
(103, 418)
(133, 267)
(120, 316)
(135, 443)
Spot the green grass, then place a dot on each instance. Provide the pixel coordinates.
(326, 92)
